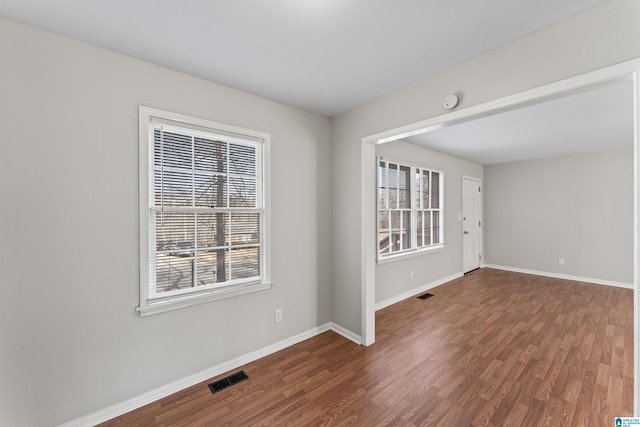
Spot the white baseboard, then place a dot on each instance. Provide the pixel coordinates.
(416, 291)
(562, 276)
(346, 333)
(129, 405)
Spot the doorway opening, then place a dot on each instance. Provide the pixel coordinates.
(626, 71)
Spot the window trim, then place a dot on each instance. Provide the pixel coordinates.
(153, 305)
(414, 250)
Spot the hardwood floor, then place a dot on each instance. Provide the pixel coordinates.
(493, 348)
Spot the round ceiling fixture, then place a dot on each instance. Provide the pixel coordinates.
(450, 102)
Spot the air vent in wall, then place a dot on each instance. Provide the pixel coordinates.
(227, 382)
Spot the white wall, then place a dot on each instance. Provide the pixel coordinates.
(578, 207)
(70, 340)
(600, 37)
(393, 277)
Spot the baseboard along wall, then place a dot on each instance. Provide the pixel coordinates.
(415, 291)
(129, 405)
(562, 276)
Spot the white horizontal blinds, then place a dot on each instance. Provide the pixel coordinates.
(243, 189)
(206, 208)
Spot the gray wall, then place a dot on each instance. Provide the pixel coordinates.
(600, 37)
(575, 207)
(71, 341)
(393, 277)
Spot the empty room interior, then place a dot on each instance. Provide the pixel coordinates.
(319, 213)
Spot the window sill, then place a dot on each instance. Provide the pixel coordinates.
(410, 254)
(188, 300)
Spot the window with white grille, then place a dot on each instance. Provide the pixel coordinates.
(203, 210)
(409, 208)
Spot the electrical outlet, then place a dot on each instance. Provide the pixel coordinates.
(411, 274)
(278, 315)
(561, 261)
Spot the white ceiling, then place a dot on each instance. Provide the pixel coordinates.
(325, 56)
(329, 56)
(593, 120)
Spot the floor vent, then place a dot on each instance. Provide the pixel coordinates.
(227, 382)
(425, 296)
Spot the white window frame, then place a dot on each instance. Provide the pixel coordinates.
(154, 303)
(414, 248)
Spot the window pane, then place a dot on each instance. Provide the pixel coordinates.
(242, 159)
(395, 231)
(212, 230)
(212, 267)
(406, 230)
(418, 190)
(173, 272)
(393, 186)
(427, 228)
(435, 190)
(383, 185)
(419, 229)
(245, 228)
(425, 189)
(210, 155)
(172, 149)
(173, 188)
(383, 232)
(382, 198)
(404, 183)
(175, 232)
(242, 192)
(210, 191)
(245, 263)
(436, 227)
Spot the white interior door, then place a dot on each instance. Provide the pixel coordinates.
(471, 224)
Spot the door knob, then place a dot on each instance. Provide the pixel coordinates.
(465, 232)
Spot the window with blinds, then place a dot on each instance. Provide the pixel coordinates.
(409, 208)
(205, 209)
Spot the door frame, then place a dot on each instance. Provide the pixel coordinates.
(481, 207)
(626, 70)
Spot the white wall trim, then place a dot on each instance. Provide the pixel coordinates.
(562, 276)
(129, 405)
(368, 245)
(415, 291)
(351, 336)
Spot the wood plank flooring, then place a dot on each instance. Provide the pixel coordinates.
(493, 348)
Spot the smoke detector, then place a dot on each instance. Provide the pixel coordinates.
(450, 102)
